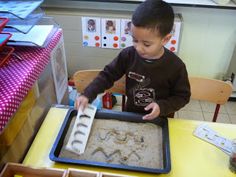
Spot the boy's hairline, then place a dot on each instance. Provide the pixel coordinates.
(153, 29)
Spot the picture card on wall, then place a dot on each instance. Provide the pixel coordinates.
(91, 31)
(110, 33)
(126, 39)
(173, 44)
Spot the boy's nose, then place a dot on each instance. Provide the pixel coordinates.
(138, 48)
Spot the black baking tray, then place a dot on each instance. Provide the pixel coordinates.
(122, 116)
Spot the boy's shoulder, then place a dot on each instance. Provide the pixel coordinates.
(172, 57)
(129, 49)
(128, 52)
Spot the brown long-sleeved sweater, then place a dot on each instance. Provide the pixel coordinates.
(164, 81)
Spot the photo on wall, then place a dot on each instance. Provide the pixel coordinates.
(91, 25)
(91, 31)
(110, 30)
(110, 26)
(125, 35)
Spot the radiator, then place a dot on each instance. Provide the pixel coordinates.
(232, 71)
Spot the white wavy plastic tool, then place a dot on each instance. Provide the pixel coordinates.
(204, 132)
(79, 136)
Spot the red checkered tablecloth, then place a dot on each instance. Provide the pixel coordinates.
(18, 76)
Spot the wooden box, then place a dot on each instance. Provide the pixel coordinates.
(81, 173)
(112, 175)
(19, 170)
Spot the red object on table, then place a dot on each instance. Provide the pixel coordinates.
(107, 100)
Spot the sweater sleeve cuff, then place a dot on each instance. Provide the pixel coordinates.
(89, 96)
(163, 110)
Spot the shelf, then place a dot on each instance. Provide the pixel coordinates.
(202, 3)
(91, 3)
(18, 8)
(22, 25)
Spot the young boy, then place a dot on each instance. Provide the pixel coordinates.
(156, 79)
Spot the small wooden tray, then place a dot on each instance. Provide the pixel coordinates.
(112, 175)
(14, 169)
(71, 172)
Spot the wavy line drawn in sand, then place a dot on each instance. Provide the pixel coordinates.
(120, 137)
(110, 157)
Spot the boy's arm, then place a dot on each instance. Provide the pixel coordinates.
(106, 78)
(180, 95)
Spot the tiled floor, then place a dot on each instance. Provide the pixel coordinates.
(200, 110)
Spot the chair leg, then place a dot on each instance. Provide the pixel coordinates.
(216, 112)
(123, 102)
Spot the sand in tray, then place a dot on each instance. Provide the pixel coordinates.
(121, 142)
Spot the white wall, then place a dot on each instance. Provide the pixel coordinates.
(207, 43)
(208, 40)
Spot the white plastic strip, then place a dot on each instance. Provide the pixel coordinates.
(81, 130)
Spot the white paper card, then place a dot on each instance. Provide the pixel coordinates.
(37, 35)
(173, 43)
(110, 33)
(205, 133)
(91, 31)
(126, 39)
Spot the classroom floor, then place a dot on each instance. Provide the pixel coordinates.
(200, 110)
(203, 111)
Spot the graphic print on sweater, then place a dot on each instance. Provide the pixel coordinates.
(142, 96)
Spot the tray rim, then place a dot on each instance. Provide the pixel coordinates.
(132, 117)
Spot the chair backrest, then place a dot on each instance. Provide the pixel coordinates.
(211, 90)
(83, 78)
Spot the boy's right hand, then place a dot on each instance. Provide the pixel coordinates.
(81, 102)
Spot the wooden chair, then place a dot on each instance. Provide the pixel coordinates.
(83, 78)
(211, 90)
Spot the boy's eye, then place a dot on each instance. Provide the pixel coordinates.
(134, 40)
(146, 45)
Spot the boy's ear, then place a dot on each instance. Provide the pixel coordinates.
(166, 39)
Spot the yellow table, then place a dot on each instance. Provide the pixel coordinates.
(190, 156)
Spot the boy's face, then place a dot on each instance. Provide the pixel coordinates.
(148, 43)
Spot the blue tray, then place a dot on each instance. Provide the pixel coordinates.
(122, 116)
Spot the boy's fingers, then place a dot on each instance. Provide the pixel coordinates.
(147, 117)
(82, 107)
(150, 106)
(77, 104)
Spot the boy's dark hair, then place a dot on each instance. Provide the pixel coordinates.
(154, 14)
